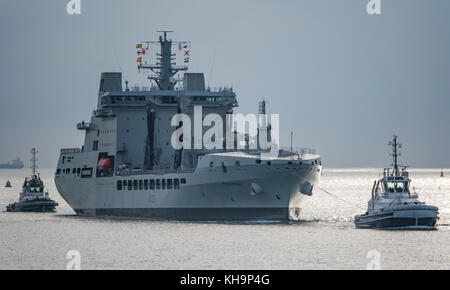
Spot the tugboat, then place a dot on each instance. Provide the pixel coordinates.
(393, 205)
(33, 198)
(8, 184)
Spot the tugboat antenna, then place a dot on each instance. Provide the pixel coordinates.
(33, 161)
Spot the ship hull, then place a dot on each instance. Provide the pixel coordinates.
(193, 214)
(243, 193)
(404, 217)
(32, 206)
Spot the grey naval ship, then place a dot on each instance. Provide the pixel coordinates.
(127, 166)
(15, 164)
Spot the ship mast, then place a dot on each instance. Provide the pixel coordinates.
(395, 153)
(164, 70)
(33, 161)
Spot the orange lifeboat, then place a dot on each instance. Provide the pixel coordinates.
(105, 163)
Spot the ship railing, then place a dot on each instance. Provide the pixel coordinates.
(138, 88)
(299, 150)
(132, 172)
(220, 89)
(70, 150)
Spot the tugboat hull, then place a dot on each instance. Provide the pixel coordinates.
(419, 217)
(33, 206)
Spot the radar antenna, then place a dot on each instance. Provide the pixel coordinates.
(164, 69)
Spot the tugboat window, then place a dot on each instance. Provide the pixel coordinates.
(395, 186)
(119, 184)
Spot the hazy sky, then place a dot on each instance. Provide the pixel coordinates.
(342, 80)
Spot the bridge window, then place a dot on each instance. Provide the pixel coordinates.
(130, 185)
(152, 184)
(395, 186)
(158, 183)
(258, 161)
(141, 184)
(183, 180)
(146, 184)
(58, 171)
(135, 185)
(238, 163)
(169, 183)
(119, 184)
(163, 184)
(176, 183)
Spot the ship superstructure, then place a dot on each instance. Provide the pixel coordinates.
(128, 166)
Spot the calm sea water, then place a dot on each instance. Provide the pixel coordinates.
(325, 239)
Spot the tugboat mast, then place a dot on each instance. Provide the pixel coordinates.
(33, 161)
(395, 154)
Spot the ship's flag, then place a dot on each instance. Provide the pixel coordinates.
(138, 52)
(139, 45)
(143, 51)
(139, 59)
(186, 53)
(186, 60)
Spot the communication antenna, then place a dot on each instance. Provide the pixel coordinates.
(165, 68)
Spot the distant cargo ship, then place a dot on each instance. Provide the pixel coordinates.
(15, 164)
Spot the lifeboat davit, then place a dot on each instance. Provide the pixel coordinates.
(8, 184)
(105, 163)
